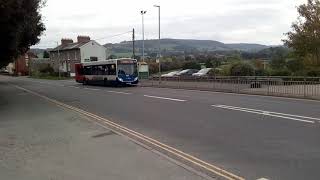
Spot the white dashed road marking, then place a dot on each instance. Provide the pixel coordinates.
(165, 98)
(118, 92)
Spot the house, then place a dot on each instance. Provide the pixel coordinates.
(67, 54)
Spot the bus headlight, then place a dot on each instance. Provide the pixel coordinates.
(120, 79)
(136, 79)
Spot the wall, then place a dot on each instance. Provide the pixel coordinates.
(36, 64)
(72, 56)
(93, 49)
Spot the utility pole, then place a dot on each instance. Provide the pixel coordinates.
(143, 13)
(159, 50)
(58, 61)
(133, 44)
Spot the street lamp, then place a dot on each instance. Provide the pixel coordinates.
(143, 13)
(159, 50)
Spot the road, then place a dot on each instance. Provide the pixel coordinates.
(251, 136)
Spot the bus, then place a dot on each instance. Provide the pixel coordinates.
(108, 72)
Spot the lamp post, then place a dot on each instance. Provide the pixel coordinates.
(159, 50)
(143, 13)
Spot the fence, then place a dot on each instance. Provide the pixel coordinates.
(302, 87)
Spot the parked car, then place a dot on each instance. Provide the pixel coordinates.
(4, 71)
(202, 72)
(170, 74)
(187, 72)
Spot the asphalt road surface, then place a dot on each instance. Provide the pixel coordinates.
(252, 136)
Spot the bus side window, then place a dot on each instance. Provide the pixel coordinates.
(104, 70)
(95, 70)
(111, 69)
(101, 70)
(87, 70)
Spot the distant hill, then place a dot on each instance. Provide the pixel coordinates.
(176, 45)
(247, 47)
(38, 51)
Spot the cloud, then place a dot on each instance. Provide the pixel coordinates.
(253, 21)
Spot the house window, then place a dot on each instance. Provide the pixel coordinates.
(93, 58)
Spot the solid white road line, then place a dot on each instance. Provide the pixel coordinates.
(119, 92)
(282, 114)
(270, 113)
(165, 98)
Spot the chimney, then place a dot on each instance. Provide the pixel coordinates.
(66, 41)
(83, 39)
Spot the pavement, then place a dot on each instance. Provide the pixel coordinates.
(39, 140)
(251, 136)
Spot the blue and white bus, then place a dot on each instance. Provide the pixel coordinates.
(109, 72)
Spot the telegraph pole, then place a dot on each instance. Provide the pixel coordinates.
(133, 44)
(58, 60)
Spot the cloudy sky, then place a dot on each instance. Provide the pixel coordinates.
(229, 21)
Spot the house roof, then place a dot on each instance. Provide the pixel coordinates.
(70, 46)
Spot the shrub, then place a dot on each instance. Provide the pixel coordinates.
(47, 70)
(280, 72)
(313, 73)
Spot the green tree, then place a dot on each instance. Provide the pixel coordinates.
(21, 27)
(191, 65)
(209, 63)
(294, 65)
(304, 38)
(112, 56)
(46, 54)
(278, 60)
(241, 69)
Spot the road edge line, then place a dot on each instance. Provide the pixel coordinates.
(177, 153)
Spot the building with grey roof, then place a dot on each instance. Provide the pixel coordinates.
(67, 54)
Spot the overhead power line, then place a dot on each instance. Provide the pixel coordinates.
(113, 35)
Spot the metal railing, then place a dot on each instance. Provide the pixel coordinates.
(302, 87)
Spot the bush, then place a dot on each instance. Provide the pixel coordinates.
(314, 73)
(280, 72)
(241, 69)
(47, 70)
(262, 72)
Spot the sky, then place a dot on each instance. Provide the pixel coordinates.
(228, 21)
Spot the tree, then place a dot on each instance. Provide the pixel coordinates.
(21, 27)
(191, 65)
(304, 38)
(278, 60)
(241, 69)
(112, 56)
(294, 65)
(46, 54)
(209, 63)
